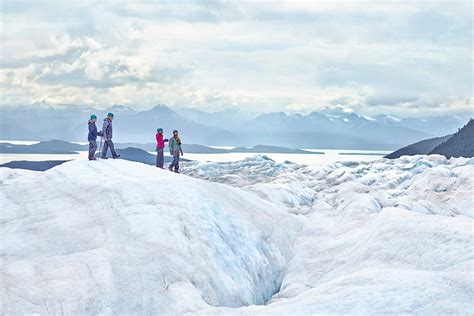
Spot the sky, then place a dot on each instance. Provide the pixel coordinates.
(407, 58)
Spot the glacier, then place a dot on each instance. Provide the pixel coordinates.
(246, 237)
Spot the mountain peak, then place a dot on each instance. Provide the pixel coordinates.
(161, 108)
(119, 108)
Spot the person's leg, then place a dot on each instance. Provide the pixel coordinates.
(172, 163)
(176, 164)
(105, 148)
(92, 149)
(160, 158)
(112, 149)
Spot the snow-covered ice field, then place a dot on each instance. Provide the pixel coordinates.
(118, 237)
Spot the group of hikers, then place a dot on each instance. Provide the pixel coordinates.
(174, 143)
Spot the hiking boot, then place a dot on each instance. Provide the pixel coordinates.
(118, 156)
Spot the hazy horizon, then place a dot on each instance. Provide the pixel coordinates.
(251, 112)
(404, 58)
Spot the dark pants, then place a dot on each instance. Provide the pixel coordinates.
(175, 163)
(108, 144)
(160, 159)
(92, 148)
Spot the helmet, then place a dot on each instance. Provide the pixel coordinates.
(93, 117)
(159, 130)
(110, 114)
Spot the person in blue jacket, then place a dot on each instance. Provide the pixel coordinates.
(92, 137)
(107, 134)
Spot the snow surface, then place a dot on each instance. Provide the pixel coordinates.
(120, 237)
(114, 237)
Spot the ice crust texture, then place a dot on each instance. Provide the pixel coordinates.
(114, 237)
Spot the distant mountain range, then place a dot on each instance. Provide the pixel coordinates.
(48, 147)
(226, 119)
(323, 129)
(436, 125)
(459, 144)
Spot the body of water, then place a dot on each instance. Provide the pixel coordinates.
(307, 159)
(329, 156)
(20, 142)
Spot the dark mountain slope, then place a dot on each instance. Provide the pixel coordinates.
(48, 147)
(461, 144)
(423, 147)
(33, 165)
(138, 155)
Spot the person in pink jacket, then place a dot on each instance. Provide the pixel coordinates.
(160, 145)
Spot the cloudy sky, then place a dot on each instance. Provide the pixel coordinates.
(398, 57)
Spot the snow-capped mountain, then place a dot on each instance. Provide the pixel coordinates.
(142, 126)
(435, 125)
(228, 119)
(329, 130)
(119, 109)
(385, 237)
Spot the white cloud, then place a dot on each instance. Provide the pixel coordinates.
(402, 57)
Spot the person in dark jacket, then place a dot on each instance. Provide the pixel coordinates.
(92, 137)
(107, 135)
(175, 151)
(160, 146)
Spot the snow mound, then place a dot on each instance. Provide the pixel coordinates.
(120, 237)
(389, 236)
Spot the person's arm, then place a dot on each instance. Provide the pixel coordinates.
(94, 131)
(104, 129)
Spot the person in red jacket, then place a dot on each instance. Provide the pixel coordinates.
(160, 145)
